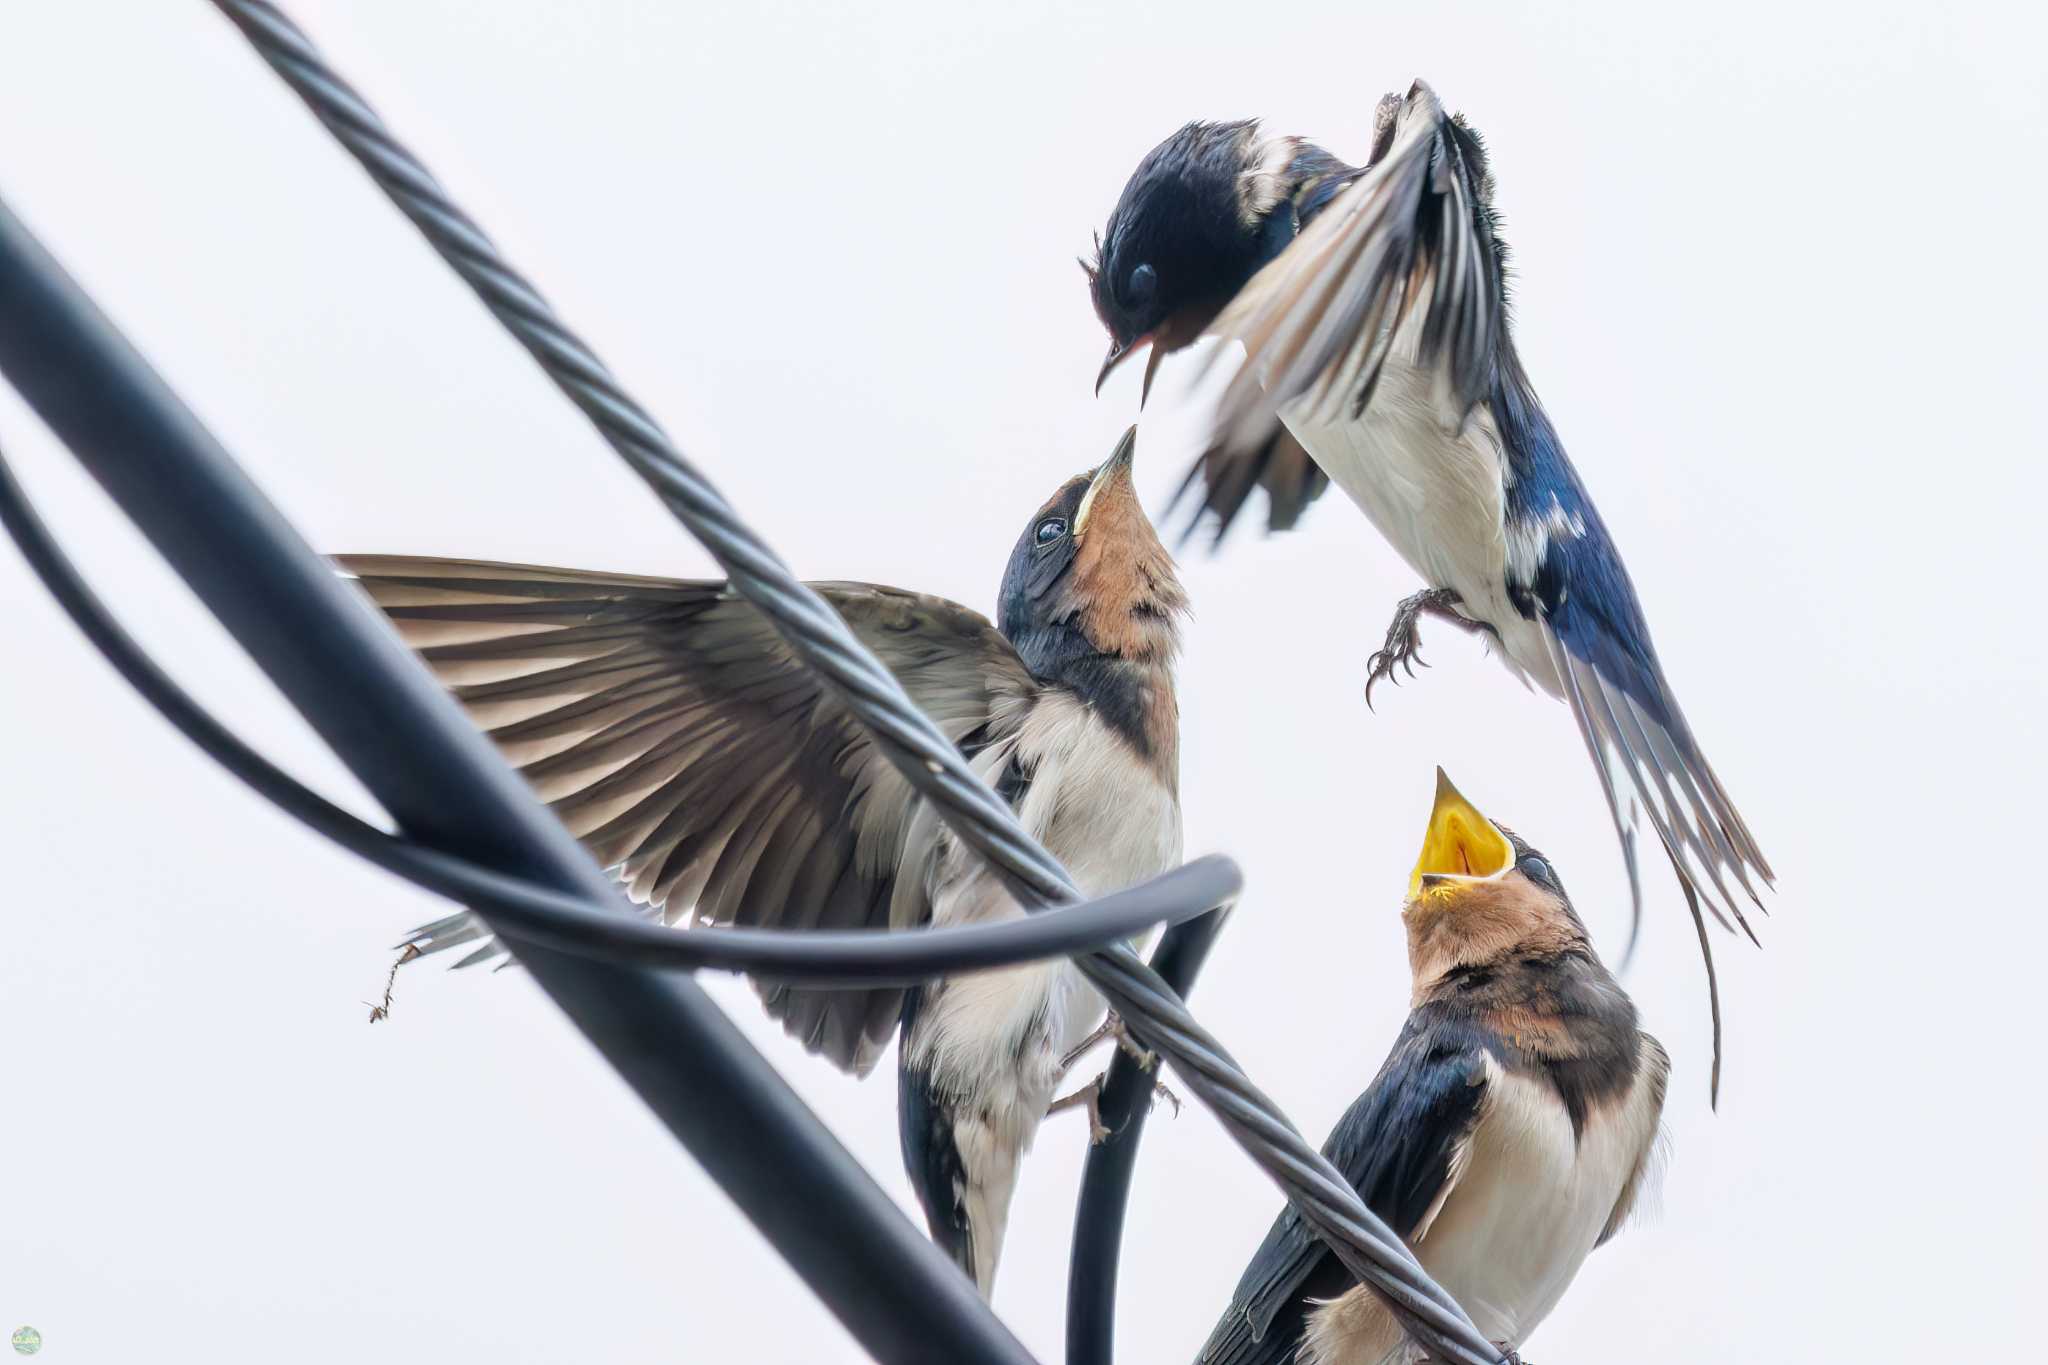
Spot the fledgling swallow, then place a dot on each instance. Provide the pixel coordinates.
(678, 738)
(1372, 306)
(1509, 1132)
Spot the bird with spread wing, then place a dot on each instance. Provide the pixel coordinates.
(674, 733)
(1371, 305)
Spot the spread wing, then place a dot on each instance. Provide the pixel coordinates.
(1407, 250)
(1401, 1145)
(679, 739)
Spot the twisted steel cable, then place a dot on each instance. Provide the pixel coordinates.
(1152, 1011)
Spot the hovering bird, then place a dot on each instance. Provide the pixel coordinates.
(1371, 303)
(673, 732)
(1509, 1132)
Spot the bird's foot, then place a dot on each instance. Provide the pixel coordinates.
(1403, 646)
(1160, 1092)
(1145, 1057)
(1106, 1029)
(1089, 1097)
(1112, 1027)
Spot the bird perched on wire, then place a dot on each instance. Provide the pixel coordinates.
(1510, 1131)
(1371, 303)
(674, 733)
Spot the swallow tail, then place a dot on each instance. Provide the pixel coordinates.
(1652, 769)
(962, 1171)
(931, 1158)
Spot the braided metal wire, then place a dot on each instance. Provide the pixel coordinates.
(931, 763)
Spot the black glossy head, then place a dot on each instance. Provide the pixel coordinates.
(1088, 577)
(1202, 213)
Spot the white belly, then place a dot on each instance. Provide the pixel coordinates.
(1525, 1211)
(1000, 1035)
(993, 1041)
(1435, 492)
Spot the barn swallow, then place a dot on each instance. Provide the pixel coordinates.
(1372, 307)
(677, 737)
(1510, 1131)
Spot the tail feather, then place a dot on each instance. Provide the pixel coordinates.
(1624, 820)
(1653, 762)
(1700, 834)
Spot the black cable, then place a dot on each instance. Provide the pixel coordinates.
(539, 914)
(908, 738)
(1127, 1099)
(423, 760)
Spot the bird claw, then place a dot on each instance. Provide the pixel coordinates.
(1403, 646)
(1145, 1057)
(1403, 649)
(1111, 1027)
(1088, 1097)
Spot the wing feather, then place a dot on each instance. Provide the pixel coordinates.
(1410, 238)
(1402, 1145)
(1632, 761)
(674, 734)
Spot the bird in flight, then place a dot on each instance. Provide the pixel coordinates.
(1371, 306)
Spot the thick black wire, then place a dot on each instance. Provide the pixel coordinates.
(931, 763)
(424, 761)
(540, 914)
(1127, 1099)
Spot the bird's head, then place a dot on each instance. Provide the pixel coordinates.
(1089, 578)
(1479, 895)
(1202, 213)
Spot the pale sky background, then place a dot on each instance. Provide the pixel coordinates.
(1777, 282)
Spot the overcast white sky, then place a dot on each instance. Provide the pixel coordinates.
(1778, 284)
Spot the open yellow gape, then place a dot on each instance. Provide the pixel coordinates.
(1460, 843)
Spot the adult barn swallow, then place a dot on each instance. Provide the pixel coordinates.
(673, 732)
(1372, 306)
(1509, 1132)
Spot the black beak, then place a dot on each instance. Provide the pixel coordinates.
(1119, 354)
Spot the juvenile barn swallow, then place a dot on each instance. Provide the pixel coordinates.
(673, 732)
(1372, 308)
(1509, 1132)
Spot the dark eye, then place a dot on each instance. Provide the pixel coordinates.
(1051, 529)
(1142, 285)
(1537, 870)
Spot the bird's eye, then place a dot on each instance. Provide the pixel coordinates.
(1537, 870)
(1051, 529)
(1142, 285)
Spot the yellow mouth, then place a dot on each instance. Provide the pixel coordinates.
(1460, 844)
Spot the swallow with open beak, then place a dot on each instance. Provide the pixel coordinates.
(673, 732)
(1372, 308)
(1509, 1132)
